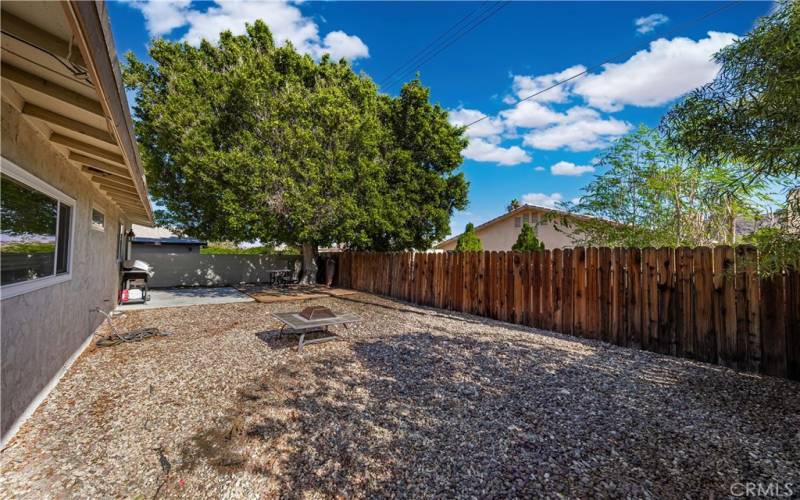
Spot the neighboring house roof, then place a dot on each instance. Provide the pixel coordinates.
(169, 241)
(508, 215)
(161, 236)
(60, 71)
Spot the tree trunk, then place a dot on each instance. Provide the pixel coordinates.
(309, 276)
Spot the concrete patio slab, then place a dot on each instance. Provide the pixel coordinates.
(182, 297)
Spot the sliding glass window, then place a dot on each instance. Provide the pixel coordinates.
(35, 230)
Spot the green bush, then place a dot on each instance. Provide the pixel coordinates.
(469, 241)
(527, 240)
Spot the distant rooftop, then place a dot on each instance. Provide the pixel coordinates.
(161, 236)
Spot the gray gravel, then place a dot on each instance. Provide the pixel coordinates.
(413, 402)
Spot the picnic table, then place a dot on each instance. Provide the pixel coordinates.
(298, 324)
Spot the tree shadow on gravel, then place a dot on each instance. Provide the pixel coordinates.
(430, 415)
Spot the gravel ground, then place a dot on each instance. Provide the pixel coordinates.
(413, 402)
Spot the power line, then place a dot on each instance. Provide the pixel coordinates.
(497, 7)
(626, 52)
(418, 54)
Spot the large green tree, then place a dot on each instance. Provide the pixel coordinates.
(651, 194)
(750, 113)
(245, 140)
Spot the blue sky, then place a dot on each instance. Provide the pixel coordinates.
(540, 150)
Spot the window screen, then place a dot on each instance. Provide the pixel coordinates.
(517, 221)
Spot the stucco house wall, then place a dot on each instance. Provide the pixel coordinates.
(41, 329)
(502, 234)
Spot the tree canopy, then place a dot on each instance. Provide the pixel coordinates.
(750, 112)
(527, 240)
(469, 241)
(244, 140)
(652, 194)
(513, 205)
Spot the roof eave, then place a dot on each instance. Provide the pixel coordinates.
(90, 21)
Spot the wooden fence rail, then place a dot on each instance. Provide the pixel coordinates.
(702, 303)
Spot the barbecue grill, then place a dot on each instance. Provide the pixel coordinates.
(135, 277)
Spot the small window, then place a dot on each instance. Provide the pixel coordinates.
(35, 232)
(526, 218)
(98, 220)
(517, 221)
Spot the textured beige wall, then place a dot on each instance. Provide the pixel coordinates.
(41, 329)
(502, 235)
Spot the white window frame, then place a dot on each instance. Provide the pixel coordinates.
(21, 175)
(91, 219)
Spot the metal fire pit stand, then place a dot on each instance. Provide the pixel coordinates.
(302, 326)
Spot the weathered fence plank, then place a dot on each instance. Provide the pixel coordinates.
(793, 324)
(567, 294)
(547, 290)
(558, 272)
(604, 267)
(592, 294)
(666, 292)
(773, 326)
(705, 336)
(579, 291)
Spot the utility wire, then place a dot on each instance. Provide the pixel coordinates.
(626, 52)
(411, 61)
(497, 7)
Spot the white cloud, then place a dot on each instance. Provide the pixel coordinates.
(488, 127)
(568, 168)
(163, 17)
(530, 114)
(285, 21)
(509, 99)
(581, 129)
(485, 138)
(340, 45)
(648, 23)
(488, 151)
(542, 199)
(539, 169)
(525, 86)
(653, 77)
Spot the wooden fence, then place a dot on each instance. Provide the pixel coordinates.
(700, 303)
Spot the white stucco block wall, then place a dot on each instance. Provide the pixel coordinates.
(41, 329)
